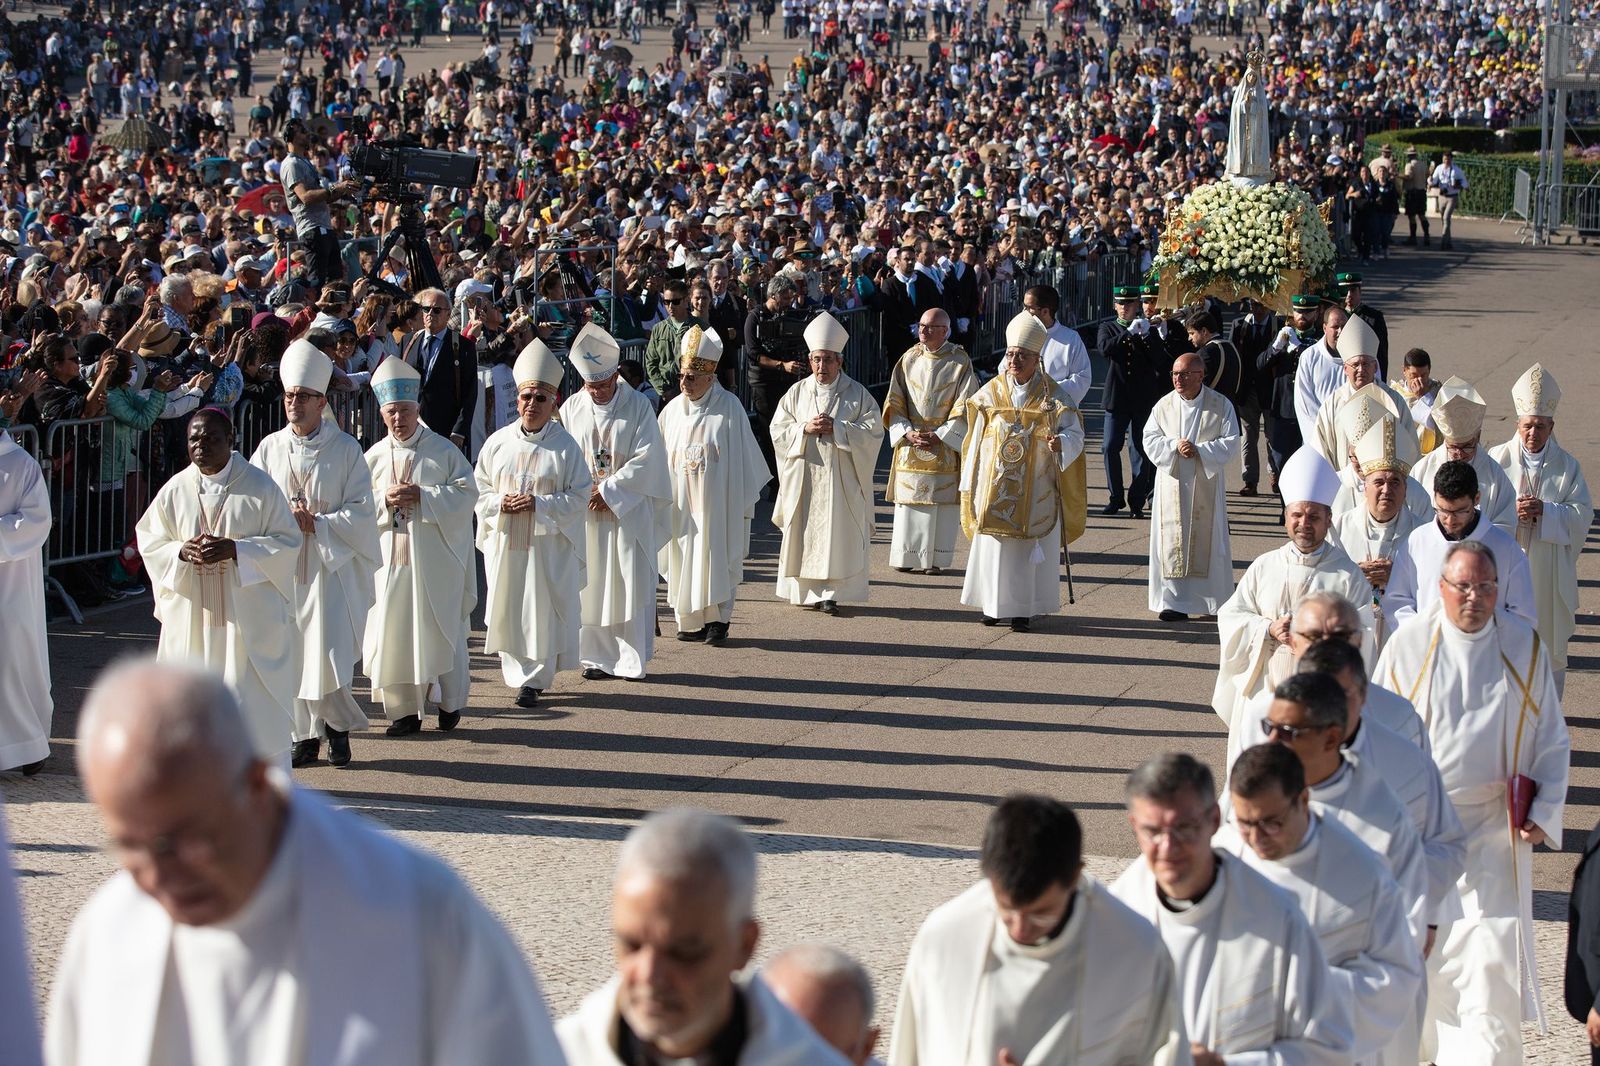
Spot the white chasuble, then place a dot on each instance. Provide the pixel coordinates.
(534, 560)
(237, 616)
(1365, 540)
(1252, 661)
(717, 473)
(426, 586)
(1101, 992)
(327, 473)
(825, 506)
(1554, 541)
(928, 393)
(1490, 704)
(1332, 441)
(1191, 557)
(25, 701)
(621, 442)
(1251, 974)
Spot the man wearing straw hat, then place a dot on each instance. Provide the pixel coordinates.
(534, 488)
(323, 473)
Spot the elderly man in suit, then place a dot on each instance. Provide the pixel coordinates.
(448, 363)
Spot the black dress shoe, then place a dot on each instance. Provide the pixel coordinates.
(404, 727)
(716, 634)
(1114, 507)
(902, 569)
(594, 673)
(828, 607)
(935, 571)
(32, 768)
(990, 621)
(1021, 625)
(338, 746)
(1137, 512)
(305, 752)
(527, 696)
(695, 635)
(448, 720)
(1173, 616)
(1248, 490)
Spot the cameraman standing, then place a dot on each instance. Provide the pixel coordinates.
(309, 203)
(775, 355)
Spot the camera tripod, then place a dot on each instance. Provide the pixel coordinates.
(421, 271)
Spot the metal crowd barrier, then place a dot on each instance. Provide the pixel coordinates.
(27, 438)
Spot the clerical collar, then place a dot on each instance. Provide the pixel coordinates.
(1312, 823)
(220, 477)
(410, 442)
(307, 438)
(532, 434)
(1333, 779)
(1310, 556)
(1534, 458)
(724, 1049)
(1178, 906)
(704, 397)
(1477, 516)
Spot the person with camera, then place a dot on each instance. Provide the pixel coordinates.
(310, 202)
(775, 356)
(1451, 181)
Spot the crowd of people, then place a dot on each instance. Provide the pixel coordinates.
(302, 442)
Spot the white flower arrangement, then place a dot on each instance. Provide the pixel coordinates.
(1265, 242)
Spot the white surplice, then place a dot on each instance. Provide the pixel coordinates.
(774, 1035)
(333, 577)
(1317, 376)
(17, 1017)
(825, 505)
(1358, 913)
(237, 616)
(416, 641)
(1252, 661)
(1210, 424)
(1255, 985)
(1018, 577)
(535, 560)
(1497, 496)
(1065, 359)
(1554, 542)
(621, 442)
(356, 950)
(25, 701)
(1414, 577)
(1492, 710)
(1102, 991)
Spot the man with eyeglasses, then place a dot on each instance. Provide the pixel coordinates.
(926, 416)
(1458, 413)
(1413, 585)
(323, 474)
(1553, 508)
(1481, 680)
(1252, 976)
(255, 922)
(1346, 893)
(1037, 962)
(661, 350)
(1065, 359)
(534, 488)
(1191, 437)
(448, 362)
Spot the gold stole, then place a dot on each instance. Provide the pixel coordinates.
(921, 476)
(1177, 559)
(1003, 502)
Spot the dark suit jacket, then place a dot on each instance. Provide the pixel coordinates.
(1252, 340)
(450, 389)
(961, 299)
(1583, 933)
(727, 318)
(899, 315)
(928, 294)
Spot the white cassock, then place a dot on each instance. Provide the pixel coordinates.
(237, 616)
(1252, 661)
(1419, 501)
(1555, 540)
(25, 701)
(1497, 496)
(717, 472)
(1365, 539)
(333, 576)
(1332, 440)
(416, 642)
(825, 505)
(1414, 577)
(1191, 557)
(535, 560)
(1358, 913)
(928, 393)
(1492, 710)
(621, 442)
(1017, 576)
(1317, 376)
(356, 950)
(774, 1035)
(1102, 991)
(17, 1017)
(1255, 985)
(1065, 359)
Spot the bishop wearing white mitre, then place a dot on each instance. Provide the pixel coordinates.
(222, 549)
(1375, 529)
(323, 472)
(416, 644)
(1359, 413)
(1358, 354)
(1458, 412)
(534, 488)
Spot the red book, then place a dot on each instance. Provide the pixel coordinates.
(1520, 790)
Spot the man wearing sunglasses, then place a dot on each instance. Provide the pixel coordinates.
(666, 339)
(448, 363)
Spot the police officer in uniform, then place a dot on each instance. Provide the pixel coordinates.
(1275, 368)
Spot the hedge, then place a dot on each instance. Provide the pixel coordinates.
(1474, 140)
(1492, 179)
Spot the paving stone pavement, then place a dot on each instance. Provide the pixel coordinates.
(548, 879)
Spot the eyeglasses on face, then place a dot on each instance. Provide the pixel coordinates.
(1472, 588)
(534, 396)
(1271, 729)
(432, 309)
